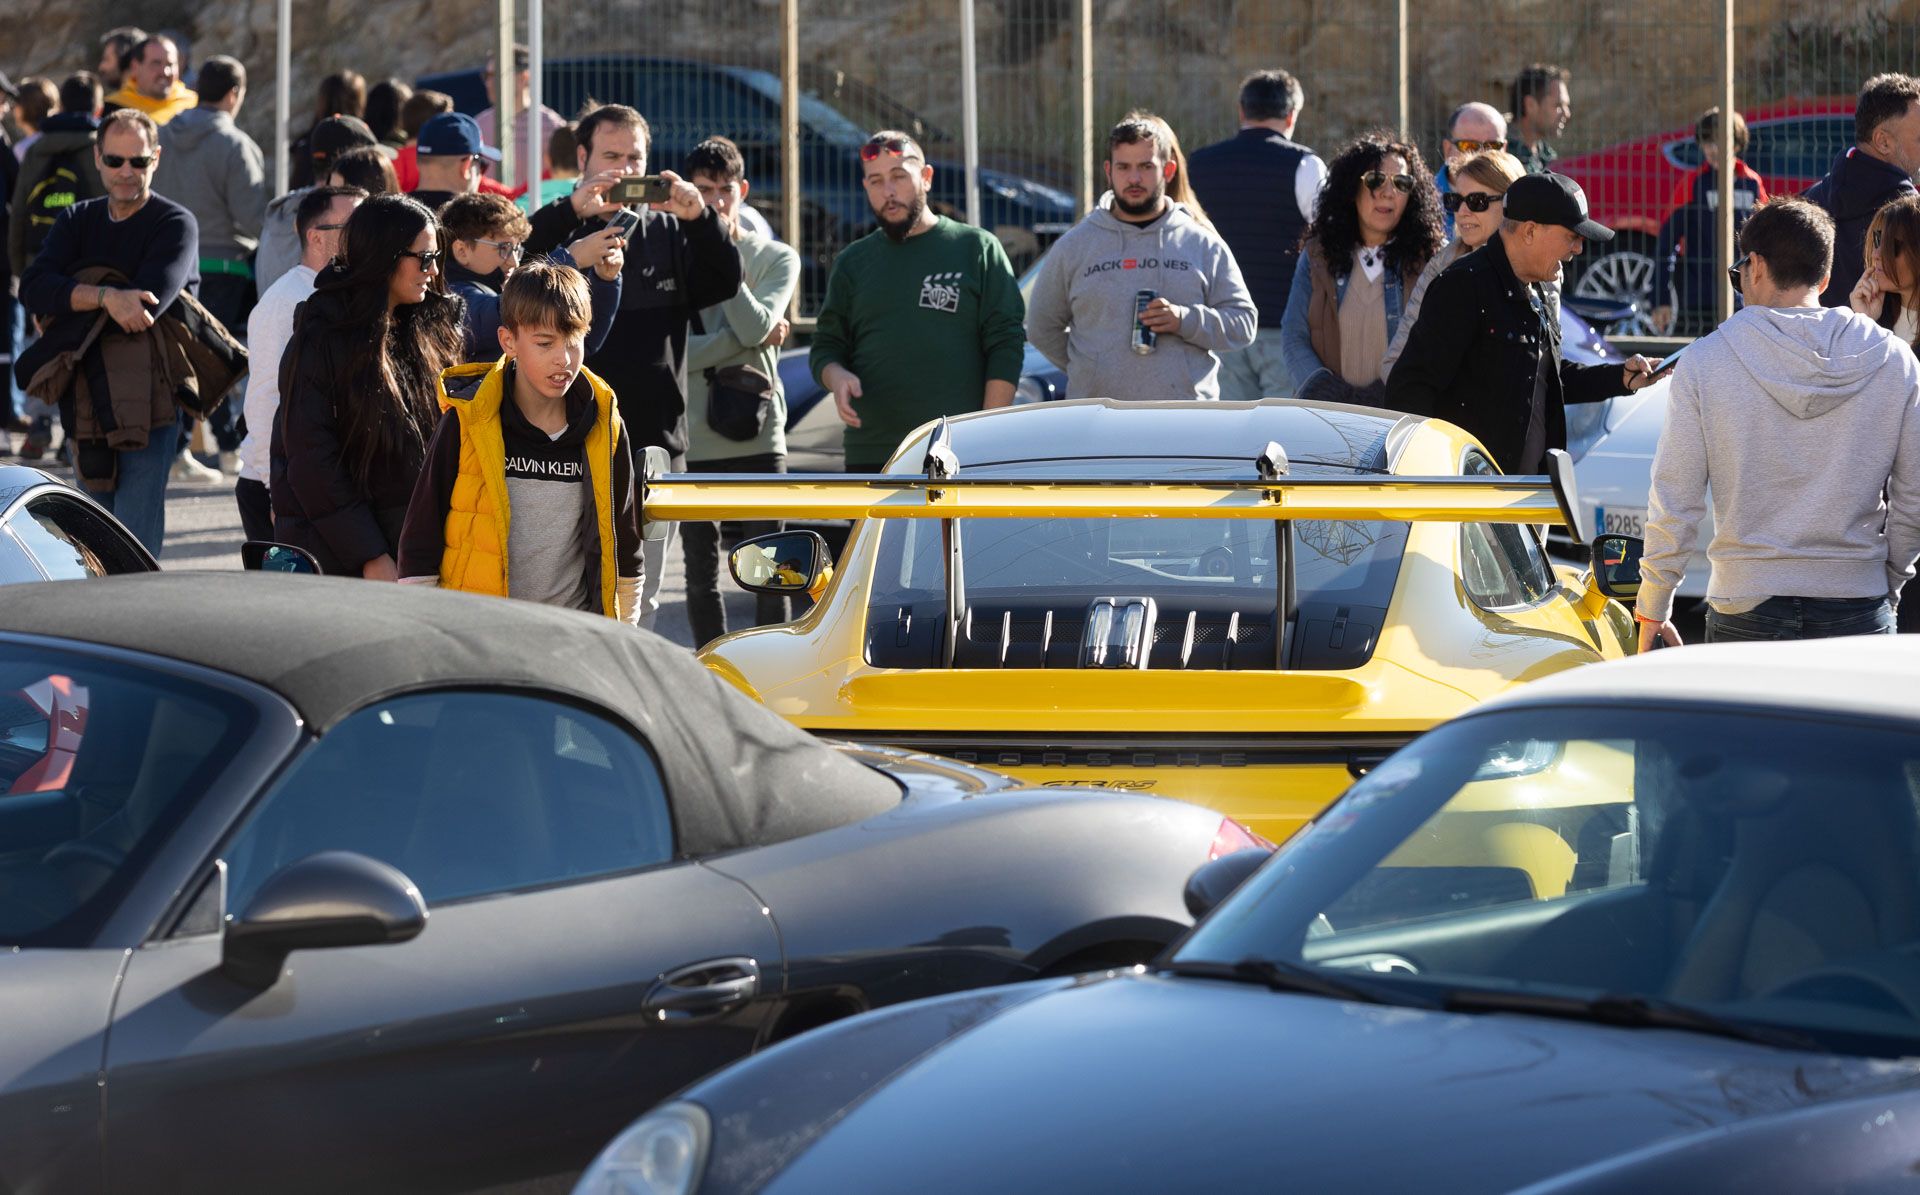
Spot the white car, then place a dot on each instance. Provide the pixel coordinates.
(1612, 444)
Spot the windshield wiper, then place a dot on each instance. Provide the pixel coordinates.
(1626, 1012)
(1301, 978)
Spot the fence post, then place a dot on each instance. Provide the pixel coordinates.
(536, 99)
(505, 92)
(1083, 170)
(790, 135)
(1724, 229)
(970, 110)
(1403, 112)
(282, 94)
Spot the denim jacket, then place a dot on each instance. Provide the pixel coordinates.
(1296, 334)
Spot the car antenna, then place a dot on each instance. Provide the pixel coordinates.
(1272, 462)
(941, 463)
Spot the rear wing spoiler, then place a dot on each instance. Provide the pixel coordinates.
(941, 492)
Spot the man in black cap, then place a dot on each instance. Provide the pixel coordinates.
(451, 151)
(1485, 353)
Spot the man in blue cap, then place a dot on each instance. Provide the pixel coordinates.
(451, 150)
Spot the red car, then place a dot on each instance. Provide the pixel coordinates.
(1631, 187)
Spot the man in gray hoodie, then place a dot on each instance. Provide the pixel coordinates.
(1081, 312)
(1805, 421)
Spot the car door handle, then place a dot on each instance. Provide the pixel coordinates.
(702, 990)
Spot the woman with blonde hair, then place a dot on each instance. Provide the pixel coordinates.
(1480, 184)
(1889, 291)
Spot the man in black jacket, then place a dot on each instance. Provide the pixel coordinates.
(679, 260)
(1877, 170)
(1485, 355)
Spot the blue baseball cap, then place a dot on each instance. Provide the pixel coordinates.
(451, 134)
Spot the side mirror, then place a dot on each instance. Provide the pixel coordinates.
(784, 562)
(334, 898)
(1216, 879)
(265, 556)
(1616, 566)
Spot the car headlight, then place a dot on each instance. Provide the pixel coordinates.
(662, 1153)
(1029, 389)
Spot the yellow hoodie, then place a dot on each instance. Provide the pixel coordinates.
(177, 101)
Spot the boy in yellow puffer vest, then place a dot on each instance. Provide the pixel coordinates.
(528, 489)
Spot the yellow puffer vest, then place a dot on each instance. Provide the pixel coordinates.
(475, 559)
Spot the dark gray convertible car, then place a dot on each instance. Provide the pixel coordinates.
(313, 884)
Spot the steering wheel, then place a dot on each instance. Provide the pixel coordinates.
(1859, 985)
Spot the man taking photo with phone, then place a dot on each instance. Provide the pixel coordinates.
(678, 260)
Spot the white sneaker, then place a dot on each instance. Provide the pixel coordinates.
(230, 463)
(186, 468)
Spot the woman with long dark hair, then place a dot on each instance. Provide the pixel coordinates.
(1889, 286)
(384, 101)
(343, 93)
(358, 385)
(1375, 228)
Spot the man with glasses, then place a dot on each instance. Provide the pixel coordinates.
(321, 216)
(1474, 128)
(154, 244)
(922, 317)
(451, 151)
(1485, 350)
(1800, 424)
(486, 238)
(1087, 298)
(1260, 188)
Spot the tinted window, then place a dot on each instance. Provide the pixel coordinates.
(98, 762)
(72, 540)
(1803, 147)
(468, 794)
(15, 564)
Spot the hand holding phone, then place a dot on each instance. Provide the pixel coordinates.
(641, 188)
(622, 223)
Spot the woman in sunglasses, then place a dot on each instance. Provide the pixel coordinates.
(361, 401)
(1377, 225)
(1480, 182)
(1889, 291)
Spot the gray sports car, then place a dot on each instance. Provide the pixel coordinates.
(315, 884)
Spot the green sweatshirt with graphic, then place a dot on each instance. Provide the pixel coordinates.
(924, 324)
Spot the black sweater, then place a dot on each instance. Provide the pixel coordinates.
(672, 270)
(158, 247)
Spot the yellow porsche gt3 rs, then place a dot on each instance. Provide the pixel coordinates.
(1240, 604)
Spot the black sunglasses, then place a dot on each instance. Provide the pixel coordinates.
(115, 161)
(429, 260)
(1733, 271)
(1478, 201)
(1373, 180)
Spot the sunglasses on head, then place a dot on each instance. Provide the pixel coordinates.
(1477, 201)
(888, 145)
(115, 161)
(1373, 180)
(429, 260)
(1474, 147)
(1733, 271)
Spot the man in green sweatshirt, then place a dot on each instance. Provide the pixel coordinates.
(923, 317)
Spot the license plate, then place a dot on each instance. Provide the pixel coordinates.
(1620, 520)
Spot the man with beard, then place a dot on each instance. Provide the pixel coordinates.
(1138, 240)
(922, 317)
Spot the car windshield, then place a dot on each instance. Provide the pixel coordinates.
(1746, 868)
(1205, 592)
(98, 761)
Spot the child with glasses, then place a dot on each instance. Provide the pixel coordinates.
(486, 238)
(1376, 228)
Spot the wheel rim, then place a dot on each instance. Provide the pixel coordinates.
(1623, 276)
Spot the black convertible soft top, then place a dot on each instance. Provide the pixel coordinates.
(738, 775)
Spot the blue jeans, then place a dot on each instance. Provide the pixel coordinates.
(1257, 371)
(139, 496)
(1802, 618)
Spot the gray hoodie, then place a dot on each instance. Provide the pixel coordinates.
(211, 168)
(1806, 421)
(1080, 314)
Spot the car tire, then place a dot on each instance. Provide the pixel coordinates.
(1622, 271)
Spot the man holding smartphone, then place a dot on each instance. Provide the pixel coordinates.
(679, 259)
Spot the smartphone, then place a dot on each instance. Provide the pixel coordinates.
(1666, 367)
(643, 188)
(623, 222)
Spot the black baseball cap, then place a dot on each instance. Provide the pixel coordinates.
(1553, 199)
(337, 134)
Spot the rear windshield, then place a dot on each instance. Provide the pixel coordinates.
(1209, 586)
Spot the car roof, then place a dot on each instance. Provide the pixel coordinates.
(1235, 432)
(331, 645)
(1865, 675)
(16, 480)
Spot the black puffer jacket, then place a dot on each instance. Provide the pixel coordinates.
(1858, 186)
(1473, 354)
(321, 502)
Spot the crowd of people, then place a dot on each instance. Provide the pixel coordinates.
(450, 382)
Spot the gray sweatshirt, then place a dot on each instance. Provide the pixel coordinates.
(1080, 314)
(1806, 422)
(211, 168)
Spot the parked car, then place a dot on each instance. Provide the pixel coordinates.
(1241, 604)
(1631, 187)
(685, 101)
(1722, 998)
(420, 891)
(51, 531)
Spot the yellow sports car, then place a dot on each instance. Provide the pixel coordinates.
(1245, 605)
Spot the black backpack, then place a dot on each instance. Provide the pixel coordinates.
(69, 178)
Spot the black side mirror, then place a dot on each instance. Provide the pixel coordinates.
(784, 562)
(264, 556)
(1216, 880)
(334, 898)
(1616, 566)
